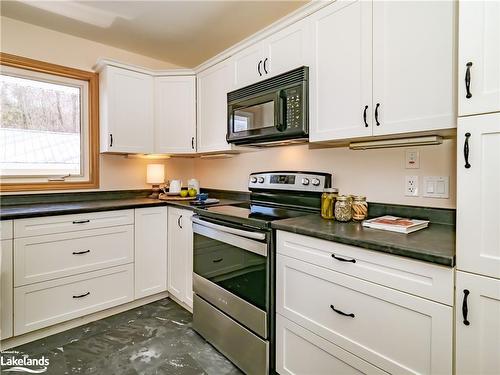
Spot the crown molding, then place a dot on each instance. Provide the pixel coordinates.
(102, 62)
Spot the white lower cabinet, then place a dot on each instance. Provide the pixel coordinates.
(180, 255)
(301, 352)
(337, 312)
(43, 304)
(6, 289)
(150, 251)
(477, 324)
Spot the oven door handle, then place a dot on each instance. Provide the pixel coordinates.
(222, 228)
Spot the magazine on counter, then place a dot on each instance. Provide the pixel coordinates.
(396, 224)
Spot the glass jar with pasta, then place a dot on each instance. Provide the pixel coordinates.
(359, 208)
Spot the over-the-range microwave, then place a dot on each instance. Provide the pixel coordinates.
(273, 111)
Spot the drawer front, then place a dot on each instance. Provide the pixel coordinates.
(415, 277)
(6, 231)
(44, 304)
(299, 352)
(49, 257)
(396, 332)
(69, 223)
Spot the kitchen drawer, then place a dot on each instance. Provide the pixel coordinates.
(394, 331)
(218, 263)
(44, 304)
(411, 276)
(6, 231)
(48, 257)
(69, 223)
(300, 352)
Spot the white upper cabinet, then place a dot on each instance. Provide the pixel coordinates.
(413, 66)
(478, 198)
(126, 111)
(340, 80)
(284, 50)
(213, 86)
(478, 332)
(287, 49)
(175, 114)
(479, 57)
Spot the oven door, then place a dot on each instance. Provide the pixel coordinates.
(231, 271)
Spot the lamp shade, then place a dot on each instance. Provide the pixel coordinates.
(155, 174)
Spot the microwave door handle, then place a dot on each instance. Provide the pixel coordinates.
(222, 228)
(281, 126)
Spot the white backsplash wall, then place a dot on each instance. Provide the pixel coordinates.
(378, 174)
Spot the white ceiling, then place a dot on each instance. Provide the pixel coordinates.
(184, 33)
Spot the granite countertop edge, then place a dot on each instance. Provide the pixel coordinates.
(421, 254)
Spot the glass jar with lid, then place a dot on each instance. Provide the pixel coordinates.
(359, 208)
(328, 199)
(343, 208)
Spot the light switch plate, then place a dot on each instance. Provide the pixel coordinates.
(436, 187)
(412, 159)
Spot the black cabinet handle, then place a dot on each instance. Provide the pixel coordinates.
(218, 260)
(465, 308)
(81, 252)
(82, 295)
(466, 150)
(265, 61)
(81, 221)
(376, 114)
(467, 81)
(179, 221)
(111, 140)
(258, 68)
(364, 116)
(341, 312)
(192, 143)
(343, 259)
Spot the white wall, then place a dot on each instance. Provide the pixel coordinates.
(38, 43)
(378, 174)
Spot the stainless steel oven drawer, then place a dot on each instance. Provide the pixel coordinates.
(246, 350)
(244, 312)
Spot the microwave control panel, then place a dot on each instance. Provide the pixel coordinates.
(293, 108)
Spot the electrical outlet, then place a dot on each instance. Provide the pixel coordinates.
(411, 186)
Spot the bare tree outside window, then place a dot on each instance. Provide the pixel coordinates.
(40, 131)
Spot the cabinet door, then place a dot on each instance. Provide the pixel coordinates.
(478, 343)
(7, 289)
(150, 251)
(180, 258)
(175, 114)
(478, 200)
(479, 46)
(213, 86)
(126, 110)
(287, 49)
(249, 65)
(413, 66)
(340, 78)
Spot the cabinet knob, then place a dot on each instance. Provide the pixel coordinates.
(258, 68)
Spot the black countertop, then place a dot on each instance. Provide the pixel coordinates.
(435, 244)
(23, 211)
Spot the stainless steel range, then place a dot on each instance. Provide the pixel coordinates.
(234, 265)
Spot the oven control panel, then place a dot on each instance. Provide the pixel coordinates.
(291, 181)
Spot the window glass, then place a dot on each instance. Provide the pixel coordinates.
(40, 131)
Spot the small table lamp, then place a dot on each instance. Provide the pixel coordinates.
(155, 176)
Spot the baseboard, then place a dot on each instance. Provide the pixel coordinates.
(182, 304)
(57, 328)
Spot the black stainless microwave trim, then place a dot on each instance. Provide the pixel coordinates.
(287, 95)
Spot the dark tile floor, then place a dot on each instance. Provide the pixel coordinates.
(152, 339)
